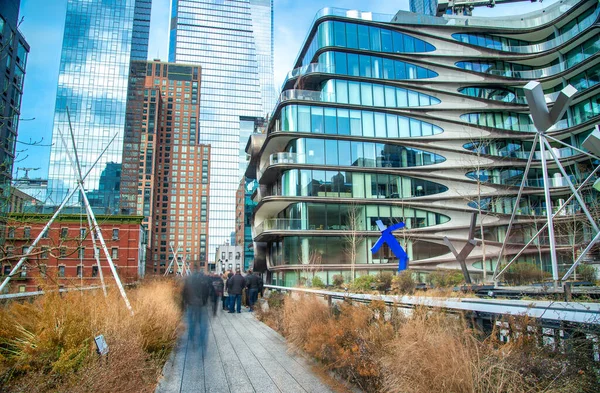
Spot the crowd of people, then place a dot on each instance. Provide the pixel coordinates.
(233, 289)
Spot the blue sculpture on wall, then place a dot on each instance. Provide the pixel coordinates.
(392, 242)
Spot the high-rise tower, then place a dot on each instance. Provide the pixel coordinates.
(233, 42)
(13, 56)
(100, 39)
(427, 7)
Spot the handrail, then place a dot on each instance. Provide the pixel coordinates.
(19, 295)
(547, 310)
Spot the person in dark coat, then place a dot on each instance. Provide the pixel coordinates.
(192, 300)
(253, 284)
(235, 286)
(216, 291)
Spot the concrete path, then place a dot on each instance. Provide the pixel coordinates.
(236, 353)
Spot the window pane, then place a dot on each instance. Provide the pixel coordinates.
(341, 91)
(380, 129)
(363, 37)
(330, 121)
(368, 127)
(366, 94)
(353, 68)
(340, 63)
(339, 33)
(378, 97)
(355, 123)
(375, 39)
(392, 126)
(343, 122)
(354, 93)
(316, 116)
(331, 154)
(351, 36)
(386, 41)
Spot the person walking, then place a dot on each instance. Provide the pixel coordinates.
(253, 284)
(225, 278)
(235, 285)
(192, 299)
(217, 291)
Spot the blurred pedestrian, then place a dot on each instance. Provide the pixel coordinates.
(235, 286)
(216, 291)
(253, 284)
(192, 299)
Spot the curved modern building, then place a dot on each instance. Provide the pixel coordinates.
(422, 120)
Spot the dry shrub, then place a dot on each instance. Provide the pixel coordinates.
(403, 283)
(435, 352)
(349, 342)
(48, 344)
(270, 312)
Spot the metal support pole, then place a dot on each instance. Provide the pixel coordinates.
(92, 217)
(551, 238)
(96, 255)
(47, 226)
(515, 208)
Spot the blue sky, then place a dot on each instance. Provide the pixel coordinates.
(43, 23)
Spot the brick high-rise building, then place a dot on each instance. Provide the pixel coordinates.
(165, 171)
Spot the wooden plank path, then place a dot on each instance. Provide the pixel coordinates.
(235, 353)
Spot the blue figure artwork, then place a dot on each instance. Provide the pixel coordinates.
(392, 242)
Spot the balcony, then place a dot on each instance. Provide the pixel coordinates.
(278, 224)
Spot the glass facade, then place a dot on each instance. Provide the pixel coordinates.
(426, 7)
(365, 131)
(363, 37)
(100, 39)
(353, 64)
(13, 61)
(361, 154)
(233, 42)
(346, 184)
(372, 94)
(318, 120)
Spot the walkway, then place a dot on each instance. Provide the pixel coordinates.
(236, 353)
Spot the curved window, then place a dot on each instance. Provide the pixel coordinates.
(360, 154)
(496, 94)
(344, 184)
(514, 177)
(505, 120)
(586, 79)
(501, 68)
(565, 33)
(513, 70)
(586, 110)
(510, 177)
(578, 54)
(372, 66)
(363, 37)
(316, 119)
(490, 41)
(530, 205)
(330, 250)
(371, 94)
(521, 149)
(338, 216)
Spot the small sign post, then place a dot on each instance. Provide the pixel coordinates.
(101, 345)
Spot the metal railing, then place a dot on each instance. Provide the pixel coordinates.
(23, 295)
(547, 310)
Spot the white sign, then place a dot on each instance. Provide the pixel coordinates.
(101, 345)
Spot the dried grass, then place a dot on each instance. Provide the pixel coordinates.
(48, 345)
(380, 350)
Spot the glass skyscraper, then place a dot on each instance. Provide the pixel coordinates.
(233, 42)
(100, 39)
(426, 7)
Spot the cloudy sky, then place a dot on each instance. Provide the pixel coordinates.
(43, 23)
